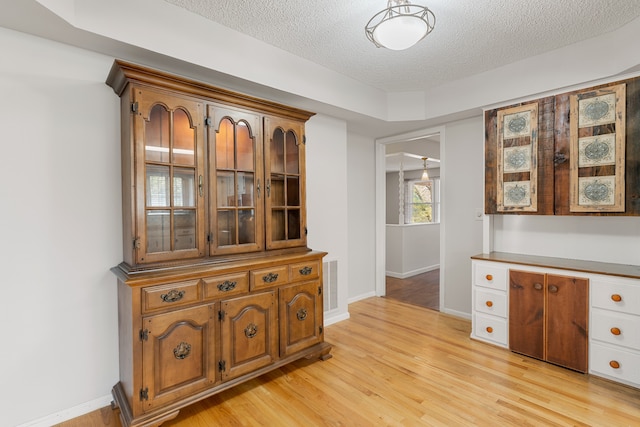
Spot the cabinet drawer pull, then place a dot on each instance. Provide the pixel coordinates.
(270, 278)
(489, 303)
(182, 350)
(172, 296)
(306, 271)
(489, 329)
(616, 331)
(616, 297)
(553, 289)
(537, 286)
(251, 330)
(614, 364)
(227, 286)
(489, 277)
(302, 314)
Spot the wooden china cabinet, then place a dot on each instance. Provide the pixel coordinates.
(217, 285)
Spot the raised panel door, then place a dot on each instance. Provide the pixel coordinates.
(526, 313)
(300, 309)
(178, 351)
(284, 151)
(248, 334)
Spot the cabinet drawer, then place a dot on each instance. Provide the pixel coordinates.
(490, 328)
(491, 275)
(491, 302)
(222, 286)
(170, 295)
(616, 296)
(616, 328)
(269, 277)
(616, 363)
(304, 271)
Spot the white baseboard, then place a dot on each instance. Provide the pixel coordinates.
(412, 272)
(361, 297)
(338, 317)
(70, 413)
(456, 313)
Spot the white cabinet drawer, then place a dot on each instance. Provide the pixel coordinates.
(491, 302)
(490, 328)
(616, 295)
(615, 363)
(616, 328)
(490, 275)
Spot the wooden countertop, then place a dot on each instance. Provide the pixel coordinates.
(620, 270)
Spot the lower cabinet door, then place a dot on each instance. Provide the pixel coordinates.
(249, 334)
(526, 313)
(178, 352)
(300, 317)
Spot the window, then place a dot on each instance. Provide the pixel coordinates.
(422, 201)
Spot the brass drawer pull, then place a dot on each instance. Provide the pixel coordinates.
(306, 271)
(489, 329)
(616, 297)
(172, 296)
(270, 278)
(302, 314)
(616, 331)
(182, 350)
(614, 364)
(489, 303)
(227, 286)
(251, 330)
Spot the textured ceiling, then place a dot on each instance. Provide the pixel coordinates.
(470, 36)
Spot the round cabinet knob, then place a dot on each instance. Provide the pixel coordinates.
(489, 277)
(489, 303)
(489, 329)
(537, 286)
(616, 297)
(614, 364)
(616, 331)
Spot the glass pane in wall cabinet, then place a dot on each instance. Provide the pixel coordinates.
(246, 226)
(245, 189)
(183, 138)
(184, 187)
(293, 191)
(277, 151)
(292, 153)
(277, 225)
(226, 228)
(225, 145)
(185, 229)
(156, 135)
(157, 192)
(226, 189)
(244, 144)
(158, 231)
(293, 224)
(277, 190)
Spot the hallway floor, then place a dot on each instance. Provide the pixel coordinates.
(422, 289)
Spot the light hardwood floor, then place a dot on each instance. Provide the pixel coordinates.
(422, 289)
(397, 364)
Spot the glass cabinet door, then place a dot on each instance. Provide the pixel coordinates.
(236, 181)
(168, 137)
(285, 184)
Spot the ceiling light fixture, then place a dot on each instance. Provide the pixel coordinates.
(400, 25)
(425, 174)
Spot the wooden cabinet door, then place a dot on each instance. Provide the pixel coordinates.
(526, 313)
(284, 162)
(300, 317)
(567, 321)
(178, 352)
(249, 334)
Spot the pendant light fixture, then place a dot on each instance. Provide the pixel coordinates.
(425, 174)
(400, 25)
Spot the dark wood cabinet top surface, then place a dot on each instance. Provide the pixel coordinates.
(595, 267)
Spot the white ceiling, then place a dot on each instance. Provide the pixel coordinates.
(470, 36)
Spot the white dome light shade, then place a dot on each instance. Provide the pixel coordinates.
(400, 32)
(400, 25)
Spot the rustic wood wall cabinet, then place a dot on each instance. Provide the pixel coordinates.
(217, 285)
(587, 158)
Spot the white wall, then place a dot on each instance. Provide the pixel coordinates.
(462, 193)
(412, 249)
(60, 228)
(361, 216)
